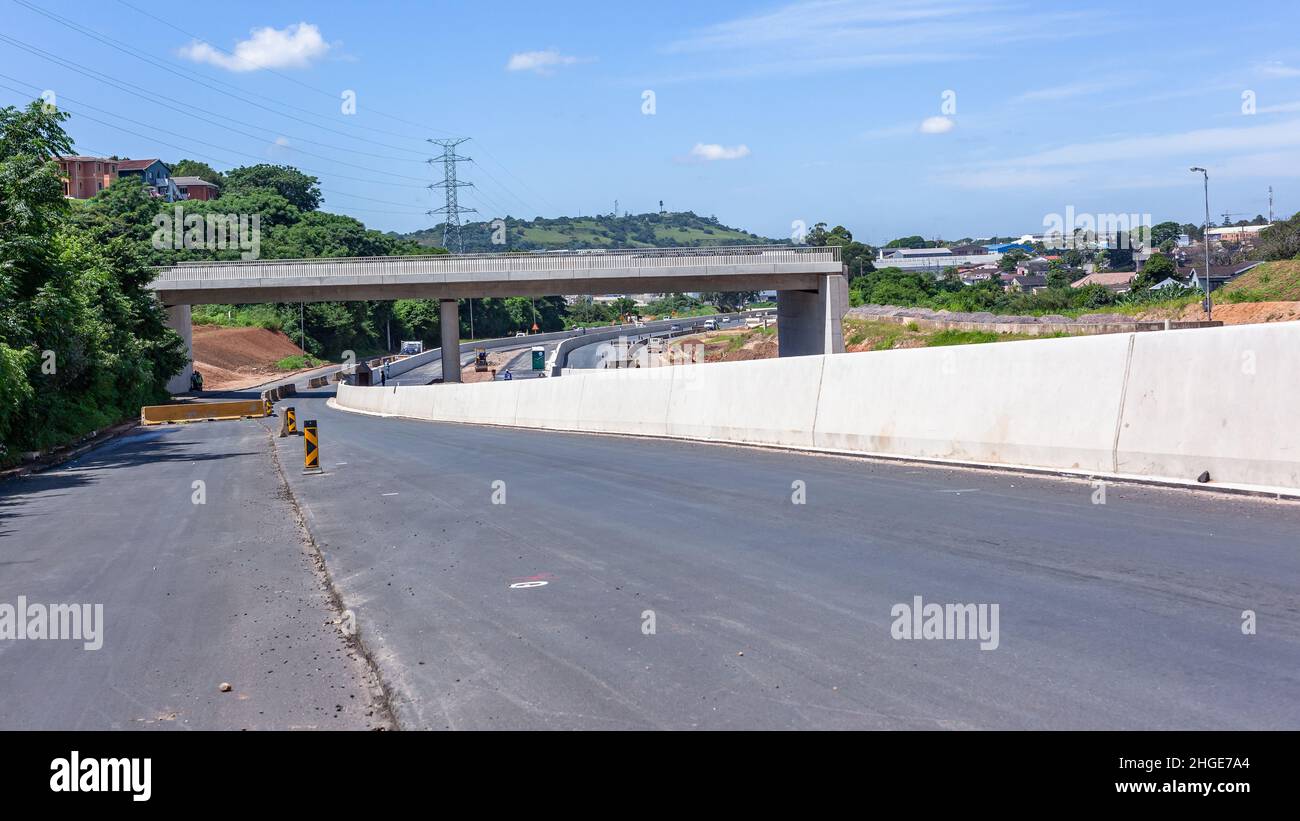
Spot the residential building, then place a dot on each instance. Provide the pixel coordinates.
(154, 173)
(195, 188)
(1115, 281)
(1220, 275)
(84, 177)
(1037, 265)
(1028, 283)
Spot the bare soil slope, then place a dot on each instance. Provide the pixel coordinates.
(232, 358)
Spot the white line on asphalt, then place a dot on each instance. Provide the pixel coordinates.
(962, 490)
(388, 494)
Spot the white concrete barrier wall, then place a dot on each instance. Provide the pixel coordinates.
(1051, 403)
(1163, 405)
(1224, 400)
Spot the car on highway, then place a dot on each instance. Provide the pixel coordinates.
(520, 333)
(710, 325)
(674, 327)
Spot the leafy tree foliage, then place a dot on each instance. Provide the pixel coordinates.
(194, 168)
(1282, 240)
(301, 190)
(83, 343)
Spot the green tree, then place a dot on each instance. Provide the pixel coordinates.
(301, 190)
(83, 342)
(194, 168)
(1281, 240)
(1155, 270)
(1011, 258)
(729, 300)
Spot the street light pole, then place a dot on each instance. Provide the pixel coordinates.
(1205, 239)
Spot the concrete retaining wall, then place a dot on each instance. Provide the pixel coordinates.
(1163, 406)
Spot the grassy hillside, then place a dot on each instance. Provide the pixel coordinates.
(1269, 282)
(604, 231)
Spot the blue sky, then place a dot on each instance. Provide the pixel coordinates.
(764, 113)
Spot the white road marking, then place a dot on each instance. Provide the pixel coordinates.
(522, 585)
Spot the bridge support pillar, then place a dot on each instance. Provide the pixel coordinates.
(178, 319)
(450, 327)
(810, 322)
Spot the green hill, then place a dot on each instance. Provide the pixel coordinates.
(671, 229)
(1269, 282)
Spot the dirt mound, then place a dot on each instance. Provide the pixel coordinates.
(1232, 313)
(231, 358)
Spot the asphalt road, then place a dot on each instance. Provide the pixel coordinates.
(770, 614)
(193, 595)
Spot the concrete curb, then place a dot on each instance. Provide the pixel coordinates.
(58, 457)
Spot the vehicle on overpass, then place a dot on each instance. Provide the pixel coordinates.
(411, 347)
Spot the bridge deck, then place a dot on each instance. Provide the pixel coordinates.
(457, 276)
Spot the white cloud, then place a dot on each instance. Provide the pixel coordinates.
(1066, 91)
(1276, 68)
(712, 151)
(1225, 149)
(540, 62)
(937, 125)
(294, 46)
(835, 35)
(282, 141)
(1280, 108)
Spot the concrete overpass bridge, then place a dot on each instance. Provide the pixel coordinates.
(812, 291)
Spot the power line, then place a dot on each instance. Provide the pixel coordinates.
(451, 211)
(330, 94)
(187, 137)
(126, 86)
(190, 150)
(203, 80)
(269, 70)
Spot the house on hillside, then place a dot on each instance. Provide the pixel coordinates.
(84, 177)
(154, 173)
(1220, 275)
(195, 188)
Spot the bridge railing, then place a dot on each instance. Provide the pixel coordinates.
(540, 262)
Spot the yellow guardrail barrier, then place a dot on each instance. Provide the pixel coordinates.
(202, 411)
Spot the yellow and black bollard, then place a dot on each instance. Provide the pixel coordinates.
(311, 448)
(266, 406)
(291, 420)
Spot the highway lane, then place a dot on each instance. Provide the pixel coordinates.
(185, 536)
(772, 614)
